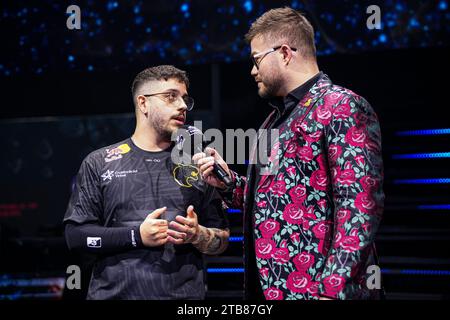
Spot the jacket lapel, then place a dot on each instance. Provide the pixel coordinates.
(299, 114)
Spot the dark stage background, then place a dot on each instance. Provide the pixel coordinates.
(65, 93)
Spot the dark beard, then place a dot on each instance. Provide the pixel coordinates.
(163, 133)
(271, 90)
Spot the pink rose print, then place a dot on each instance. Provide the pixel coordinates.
(333, 284)
(265, 183)
(332, 98)
(281, 255)
(303, 261)
(297, 126)
(348, 165)
(365, 203)
(331, 260)
(313, 288)
(261, 204)
(312, 137)
(356, 137)
(343, 215)
(305, 154)
(278, 187)
(291, 150)
(273, 294)
(335, 173)
(342, 111)
(369, 183)
(293, 213)
(322, 229)
(264, 272)
(280, 176)
(322, 204)
(268, 228)
(349, 243)
(291, 171)
(264, 248)
(298, 282)
(319, 180)
(310, 213)
(354, 232)
(298, 194)
(360, 160)
(305, 224)
(347, 177)
(323, 114)
(366, 226)
(295, 237)
(339, 235)
(334, 151)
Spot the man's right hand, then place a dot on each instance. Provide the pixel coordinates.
(205, 166)
(153, 230)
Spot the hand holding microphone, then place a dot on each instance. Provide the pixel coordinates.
(213, 168)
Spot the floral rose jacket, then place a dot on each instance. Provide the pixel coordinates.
(315, 219)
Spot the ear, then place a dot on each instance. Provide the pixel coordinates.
(286, 53)
(141, 105)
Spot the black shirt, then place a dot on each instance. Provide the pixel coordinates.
(117, 187)
(287, 104)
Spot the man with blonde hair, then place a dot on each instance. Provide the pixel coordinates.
(310, 224)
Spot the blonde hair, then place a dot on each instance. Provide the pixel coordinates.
(287, 24)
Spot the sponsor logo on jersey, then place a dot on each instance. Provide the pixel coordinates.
(109, 174)
(117, 153)
(185, 175)
(94, 242)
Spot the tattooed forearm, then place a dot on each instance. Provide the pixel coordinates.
(212, 240)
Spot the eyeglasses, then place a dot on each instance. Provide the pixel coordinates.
(174, 98)
(261, 55)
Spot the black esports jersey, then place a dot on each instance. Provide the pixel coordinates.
(117, 187)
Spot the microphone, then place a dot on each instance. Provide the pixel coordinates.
(198, 143)
(222, 174)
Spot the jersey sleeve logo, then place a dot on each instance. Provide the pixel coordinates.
(94, 242)
(117, 153)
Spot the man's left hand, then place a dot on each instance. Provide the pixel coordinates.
(184, 230)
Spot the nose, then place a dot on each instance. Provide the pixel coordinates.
(254, 71)
(182, 105)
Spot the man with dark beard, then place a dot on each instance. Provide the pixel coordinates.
(312, 210)
(133, 208)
